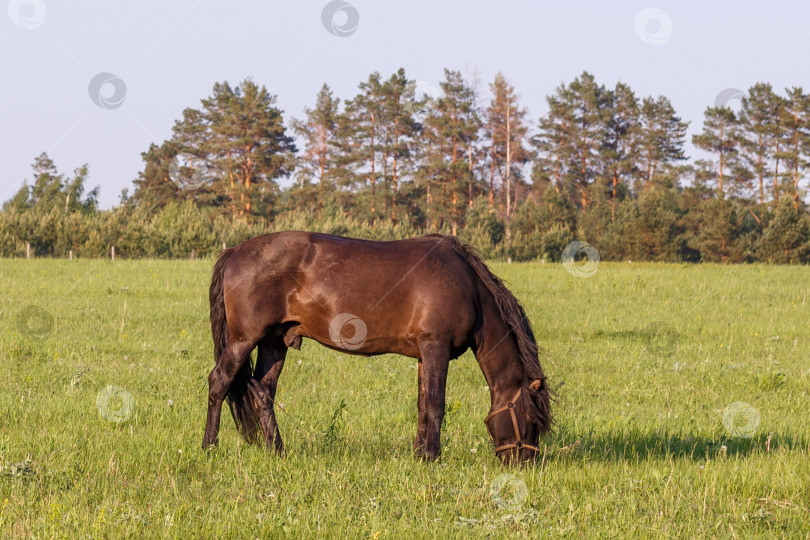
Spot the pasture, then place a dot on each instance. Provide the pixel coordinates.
(682, 410)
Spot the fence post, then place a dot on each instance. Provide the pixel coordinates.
(193, 252)
(224, 247)
(112, 252)
(71, 254)
(28, 250)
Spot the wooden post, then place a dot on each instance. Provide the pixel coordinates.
(193, 252)
(224, 247)
(112, 252)
(71, 254)
(28, 250)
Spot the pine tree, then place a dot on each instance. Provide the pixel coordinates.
(359, 133)
(786, 239)
(450, 131)
(240, 135)
(718, 228)
(758, 117)
(505, 126)
(399, 129)
(590, 121)
(154, 189)
(318, 129)
(719, 137)
(247, 139)
(554, 142)
(777, 141)
(795, 119)
(621, 139)
(662, 138)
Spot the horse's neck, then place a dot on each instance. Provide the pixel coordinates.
(498, 356)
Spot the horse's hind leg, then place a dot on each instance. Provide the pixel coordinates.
(270, 361)
(219, 382)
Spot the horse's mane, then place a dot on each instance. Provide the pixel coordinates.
(538, 405)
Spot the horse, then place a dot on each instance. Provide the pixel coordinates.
(430, 298)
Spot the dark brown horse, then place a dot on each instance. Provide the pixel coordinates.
(430, 298)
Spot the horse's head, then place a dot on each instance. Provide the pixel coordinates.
(513, 432)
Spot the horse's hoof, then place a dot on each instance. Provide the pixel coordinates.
(427, 455)
(209, 445)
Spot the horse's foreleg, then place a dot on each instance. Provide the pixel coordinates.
(421, 422)
(219, 381)
(433, 380)
(270, 361)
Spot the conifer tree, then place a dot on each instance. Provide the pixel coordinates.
(758, 117)
(318, 129)
(506, 129)
(661, 139)
(450, 131)
(590, 110)
(621, 140)
(240, 135)
(795, 119)
(719, 137)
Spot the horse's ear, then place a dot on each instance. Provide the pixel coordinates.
(536, 384)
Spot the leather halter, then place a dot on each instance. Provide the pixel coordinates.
(518, 444)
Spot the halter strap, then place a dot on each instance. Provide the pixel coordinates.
(518, 444)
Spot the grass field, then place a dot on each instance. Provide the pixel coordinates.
(103, 386)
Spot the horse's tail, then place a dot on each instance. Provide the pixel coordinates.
(244, 413)
(534, 386)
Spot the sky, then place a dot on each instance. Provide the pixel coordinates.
(97, 82)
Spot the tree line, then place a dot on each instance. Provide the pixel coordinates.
(601, 165)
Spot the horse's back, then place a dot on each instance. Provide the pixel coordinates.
(404, 291)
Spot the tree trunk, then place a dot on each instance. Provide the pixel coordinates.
(321, 168)
(385, 181)
(508, 178)
(584, 171)
(613, 199)
(394, 180)
(760, 171)
(428, 201)
(796, 161)
(720, 180)
(492, 181)
(776, 178)
(373, 178)
(248, 176)
(470, 178)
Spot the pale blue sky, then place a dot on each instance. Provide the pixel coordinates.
(169, 54)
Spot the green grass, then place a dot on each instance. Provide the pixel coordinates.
(645, 358)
